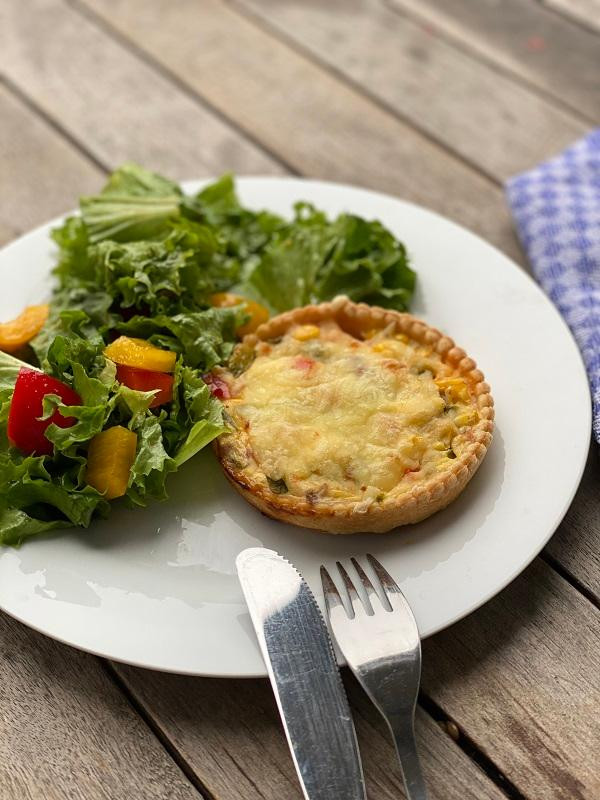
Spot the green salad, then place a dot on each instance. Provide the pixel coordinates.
(108, 388)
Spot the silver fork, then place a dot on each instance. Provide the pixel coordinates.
(380, 641)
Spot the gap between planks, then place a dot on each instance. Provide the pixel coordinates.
(568, 576)
(91, 16)
(277, 33)
(585, 13)
(29, 103)
(155, 729)
(424, 15)
(469, 748)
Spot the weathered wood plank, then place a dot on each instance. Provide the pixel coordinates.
(309, 118)
(486, 117)
(42, 174)
(586, 12)
(229, 733)
(522, 678)
(67, 731)
(112, 101)
(528, 40)
(576, 544)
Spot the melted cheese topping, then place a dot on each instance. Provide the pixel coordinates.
(323, 415)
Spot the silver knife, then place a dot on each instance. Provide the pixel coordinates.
(301, 664)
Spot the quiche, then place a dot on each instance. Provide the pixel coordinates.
(349, 418)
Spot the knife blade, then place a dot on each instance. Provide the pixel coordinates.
(304, 675)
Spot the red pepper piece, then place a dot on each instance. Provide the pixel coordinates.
(304, 363)
(144, 380)
(217, 386)
(25, 430)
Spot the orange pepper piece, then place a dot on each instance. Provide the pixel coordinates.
(140, 354)
(18, 332)
(111, 454)
(258, 313)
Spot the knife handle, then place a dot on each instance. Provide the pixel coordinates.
(403, 732)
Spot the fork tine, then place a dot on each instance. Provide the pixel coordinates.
(352, 593)
(330, 590)
(366, 582)
(386, 580)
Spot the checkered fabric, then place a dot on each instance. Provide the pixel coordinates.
(556, 207)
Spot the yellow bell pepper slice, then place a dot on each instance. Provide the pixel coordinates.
(258, 314)
(20, 331)
(110, 457)
(141, 354)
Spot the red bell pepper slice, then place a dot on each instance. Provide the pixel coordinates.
(144, 380)
(25, 430)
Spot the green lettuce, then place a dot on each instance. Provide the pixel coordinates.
(135, 204)
(313, 259)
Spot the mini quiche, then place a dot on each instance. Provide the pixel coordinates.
(350, 418)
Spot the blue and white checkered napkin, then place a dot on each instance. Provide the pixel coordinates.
(556, 207)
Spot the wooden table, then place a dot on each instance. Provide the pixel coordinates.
(437, 101)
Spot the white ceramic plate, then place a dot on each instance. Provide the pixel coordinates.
(157, 587)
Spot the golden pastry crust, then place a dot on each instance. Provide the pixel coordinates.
(345, 515)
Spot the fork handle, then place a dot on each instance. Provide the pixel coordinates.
(406, 747)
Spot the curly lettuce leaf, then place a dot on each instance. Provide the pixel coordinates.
(204, 338)
(196, 416)
(9, 369)
(34, 500)
(152, 464)
(135, 204)
(314, 259)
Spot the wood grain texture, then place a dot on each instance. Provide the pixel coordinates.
(485, 116)
(310, 119)
(116, 105)
(66, 731)
(41, 173)
(521, 36)
(576, 544)
(229, 733)
(522, 678)
(586, 12)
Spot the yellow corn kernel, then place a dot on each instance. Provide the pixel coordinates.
(466, 418)
(440, 446)
(111, 454)
(141, 354)
(304, 332)
(18, 332)
(386, 348)
(455, 388)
